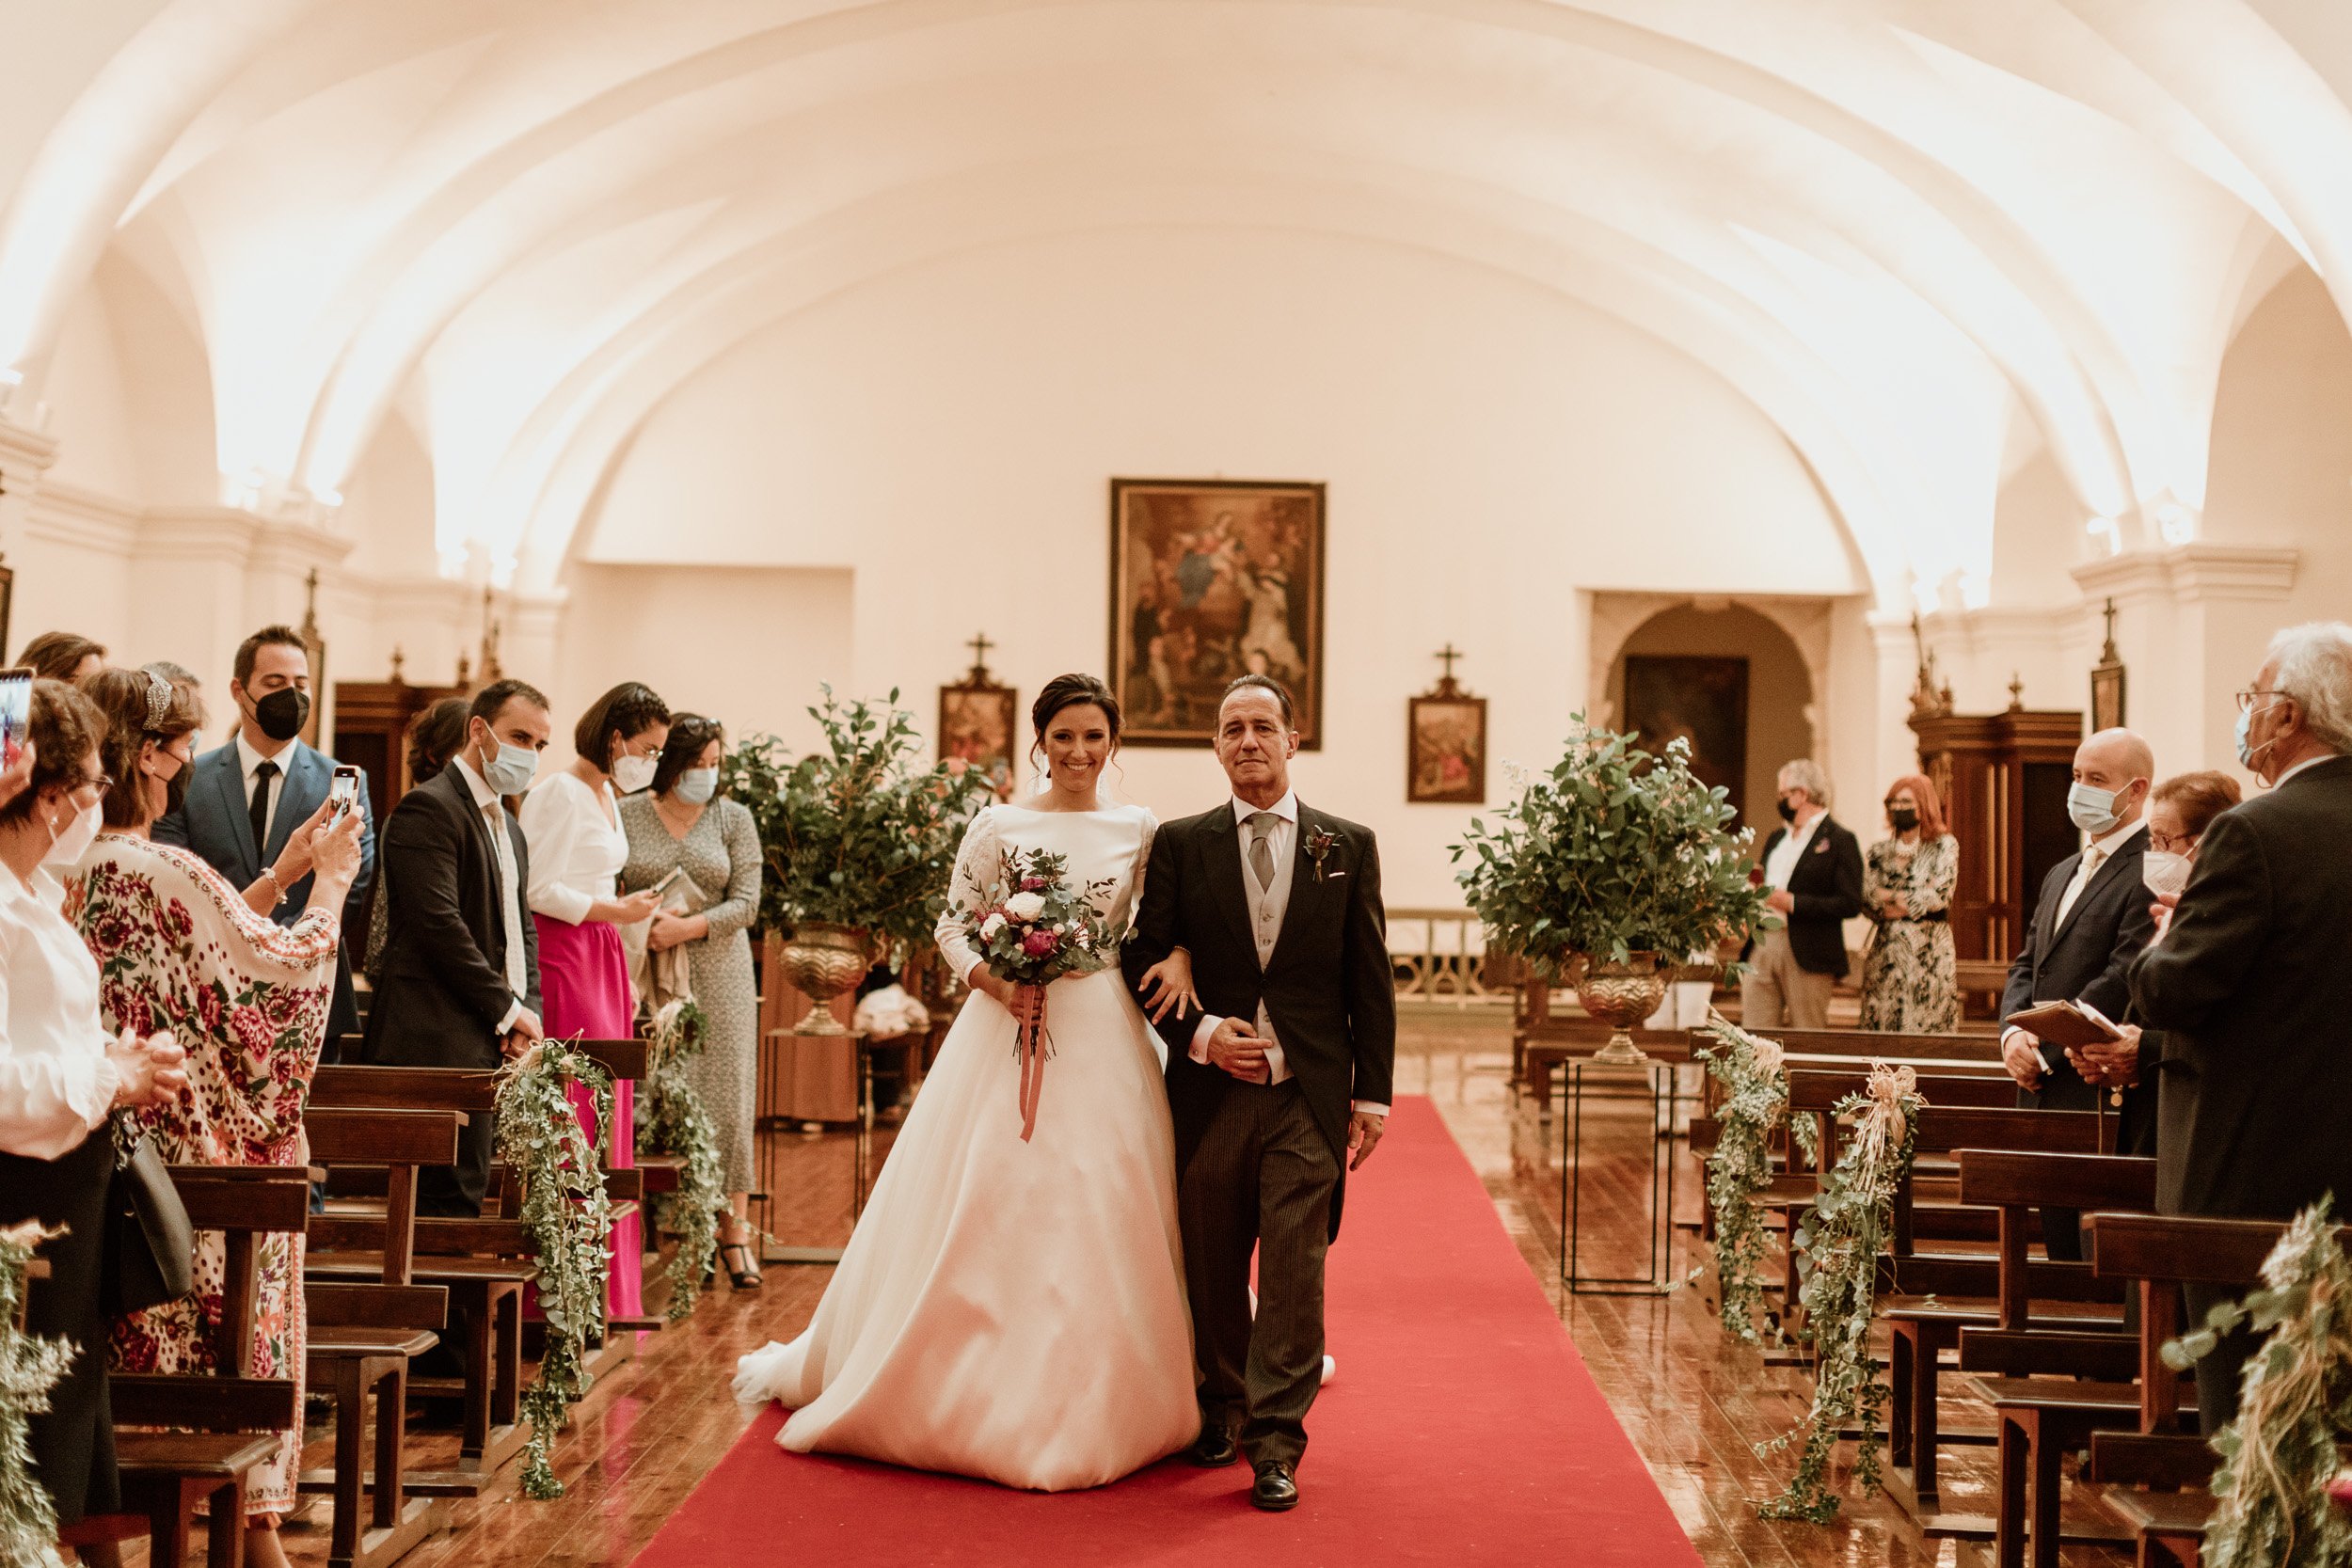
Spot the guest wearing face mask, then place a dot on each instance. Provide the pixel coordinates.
(248, 999)
(62, 1072)
(2179, 811)
(2252, 982)
(680, 823)
(577, 851)
(1813, 867)
(1909, 979)
(248, 804)
(2090, 923)
(461, 955)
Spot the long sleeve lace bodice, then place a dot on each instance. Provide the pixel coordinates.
(1107, 845)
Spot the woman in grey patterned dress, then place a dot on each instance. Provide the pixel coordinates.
(1909, 985)
(679, 822)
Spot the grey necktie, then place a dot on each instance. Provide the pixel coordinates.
(1262, 847)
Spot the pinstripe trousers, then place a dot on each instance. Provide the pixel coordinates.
(1262, 1177)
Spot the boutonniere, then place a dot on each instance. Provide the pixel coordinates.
(1318, 845)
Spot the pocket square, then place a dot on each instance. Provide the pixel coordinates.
(1335, 877)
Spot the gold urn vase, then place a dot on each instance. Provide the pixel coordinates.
(823, 961)
(1621, 995)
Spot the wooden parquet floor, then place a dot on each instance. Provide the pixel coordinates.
(1693, 1402)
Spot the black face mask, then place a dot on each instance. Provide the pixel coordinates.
(1903, 818)
(282, 714)
(1788, 812)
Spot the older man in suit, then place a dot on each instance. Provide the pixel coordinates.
(245, 799)
(1814, 868)
(2252, 979)
(2089, 923)
(460, 984)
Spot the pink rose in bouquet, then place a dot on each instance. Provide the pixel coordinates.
(1041, 945)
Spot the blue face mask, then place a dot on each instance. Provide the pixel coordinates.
(2247, 749)
(696, 785)
(512, 769)
(2091, 810)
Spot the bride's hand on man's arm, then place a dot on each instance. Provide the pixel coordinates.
(1168, 983)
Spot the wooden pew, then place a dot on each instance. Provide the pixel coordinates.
(367, 1325)
(2152, 1478)
(231, 1418)
(2050, 1387)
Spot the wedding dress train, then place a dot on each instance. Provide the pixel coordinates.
(1013, 1310)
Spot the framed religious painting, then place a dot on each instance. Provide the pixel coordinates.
(1445, 741)
(978, 721)
(1698, 698)
(1212, 579)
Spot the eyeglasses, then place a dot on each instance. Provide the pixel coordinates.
(103, 780)
(2245, 698)
(2167, 844)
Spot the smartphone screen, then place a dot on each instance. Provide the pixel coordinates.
(16, 713)
(344, 791)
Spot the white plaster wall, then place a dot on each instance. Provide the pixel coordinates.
(948, 434)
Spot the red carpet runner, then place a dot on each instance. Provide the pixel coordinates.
(1462, 1429)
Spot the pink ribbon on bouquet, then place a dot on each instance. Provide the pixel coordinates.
(1028, 1048)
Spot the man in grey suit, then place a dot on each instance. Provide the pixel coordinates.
(2250, 978)
(245, 799)
(1281, 1087)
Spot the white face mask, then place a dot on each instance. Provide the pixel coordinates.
(69, 846)
(632, 772)
(696, 785)
(2164, 871)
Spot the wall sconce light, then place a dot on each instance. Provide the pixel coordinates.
(2105, 528)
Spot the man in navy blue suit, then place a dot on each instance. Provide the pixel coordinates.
(246, 799)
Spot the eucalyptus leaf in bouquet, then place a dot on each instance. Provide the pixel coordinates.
(1615, 851)
(859, 832)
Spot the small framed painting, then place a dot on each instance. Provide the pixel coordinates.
(1446, 746)
(1212, 579)
(977, 725)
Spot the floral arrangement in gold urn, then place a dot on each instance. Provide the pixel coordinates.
(1607, 869)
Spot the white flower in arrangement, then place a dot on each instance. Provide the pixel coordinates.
(1026, 907)
(992, 928)
(1768, 1054)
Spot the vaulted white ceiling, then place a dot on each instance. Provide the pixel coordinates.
(1906, 230)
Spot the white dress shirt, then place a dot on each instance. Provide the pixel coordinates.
(248, 762)
(55, 1082)
(1782, 863)
(510, 906)
(577, 850)
(1268, 905)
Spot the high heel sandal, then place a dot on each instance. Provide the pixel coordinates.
(745, 1277)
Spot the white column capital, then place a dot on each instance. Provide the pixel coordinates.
(2252, 573)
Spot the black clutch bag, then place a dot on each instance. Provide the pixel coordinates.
(149, 1256)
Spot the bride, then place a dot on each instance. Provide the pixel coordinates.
(1015, 1310)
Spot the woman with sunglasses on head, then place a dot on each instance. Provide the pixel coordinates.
(177, 946)
(1909, 981)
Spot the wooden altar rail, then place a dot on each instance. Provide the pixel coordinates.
(1449, 963)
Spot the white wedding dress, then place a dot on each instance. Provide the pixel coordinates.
(1013, 1310)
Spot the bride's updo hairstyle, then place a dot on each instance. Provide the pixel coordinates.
(1070, 691)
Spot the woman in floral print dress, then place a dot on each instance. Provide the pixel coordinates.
(1909, 982)
(179, 948)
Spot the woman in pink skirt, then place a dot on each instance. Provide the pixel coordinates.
(577, 850)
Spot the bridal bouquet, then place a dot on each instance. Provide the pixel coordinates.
(1044, 927)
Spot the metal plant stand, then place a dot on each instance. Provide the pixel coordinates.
(1657, 1088)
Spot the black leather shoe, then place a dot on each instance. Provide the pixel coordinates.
(1213, 1449)
(1275, 1490)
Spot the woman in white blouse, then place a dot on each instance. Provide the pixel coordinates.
(60, 1075)
(573, 827)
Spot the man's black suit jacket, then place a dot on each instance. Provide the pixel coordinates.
(1328, 988)
(444, 988)
(2089, 958)
(1826, 885)
(2252, 987)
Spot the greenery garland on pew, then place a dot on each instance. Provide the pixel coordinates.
(1840, 1239)
(570, 1221)
(30, 1365)
(2280, 1456)
(1754, 1104)
(671, 1120)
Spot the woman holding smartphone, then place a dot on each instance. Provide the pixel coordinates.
(683, 824)
(573, 826)
(178, 948)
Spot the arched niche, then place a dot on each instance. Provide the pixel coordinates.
(1784, 643)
